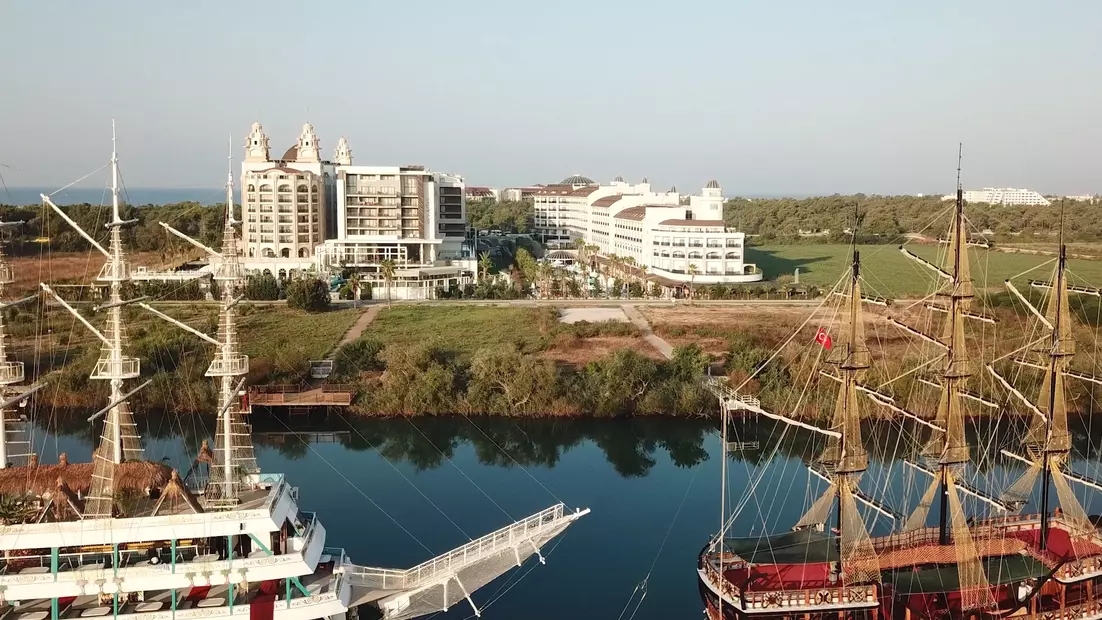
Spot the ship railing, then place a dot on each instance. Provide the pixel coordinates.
(491, 544)
(89, 559)
(1089, 609)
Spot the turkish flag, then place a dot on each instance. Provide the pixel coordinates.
(823, 338)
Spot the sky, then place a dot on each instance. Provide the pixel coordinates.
(767, 97)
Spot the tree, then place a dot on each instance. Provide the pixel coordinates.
(643, 280)
(262, 287)
(308, 294)
(693, 272)
(485, 263)
(387, 269)
(355, 282)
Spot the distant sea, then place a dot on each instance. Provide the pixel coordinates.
(96, 196)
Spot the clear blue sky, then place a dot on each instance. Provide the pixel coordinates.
(800, 96)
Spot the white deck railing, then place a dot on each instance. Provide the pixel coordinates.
(508, 537)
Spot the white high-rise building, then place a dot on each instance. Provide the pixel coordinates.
(1002, 196)
(655, 229)
(287, 204)
(301, 212)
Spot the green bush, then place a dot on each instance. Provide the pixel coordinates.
(308, 294)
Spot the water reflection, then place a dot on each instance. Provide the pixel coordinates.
(630, 446)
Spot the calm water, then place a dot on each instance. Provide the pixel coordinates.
(445, 480)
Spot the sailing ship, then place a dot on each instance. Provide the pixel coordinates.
(940, 561)
(238, 544)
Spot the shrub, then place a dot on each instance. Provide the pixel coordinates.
(262, 287)
(308, 294)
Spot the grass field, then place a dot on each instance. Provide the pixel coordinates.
(462, 329)
(891, 274)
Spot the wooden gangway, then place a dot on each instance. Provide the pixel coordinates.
(327, 395)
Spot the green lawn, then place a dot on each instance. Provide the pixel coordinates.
(270, 330)
(462, 329)
(891, 274)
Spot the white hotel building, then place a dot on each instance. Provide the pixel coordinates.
(654, 228)
(303, 213)
(1002, 196)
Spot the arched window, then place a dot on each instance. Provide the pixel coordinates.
(285, 253)
(251, 188)
(252, 254)
(679, 255)
(712, 255)
(731, 255)
(284, 188)
(316, 187)
(268, 253)
(283, 273)
(302, 253)
(694, 255)
(303, 188)
(268, 272)
(265, 188)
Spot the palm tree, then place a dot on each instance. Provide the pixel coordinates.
(387, 268)
(693, 271)
(581, 247)
(643, 279)
(484, 265)
(544, 272)
(355, 282)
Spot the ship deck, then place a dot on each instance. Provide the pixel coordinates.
(209, 599)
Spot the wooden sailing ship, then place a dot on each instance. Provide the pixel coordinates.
(940, 561)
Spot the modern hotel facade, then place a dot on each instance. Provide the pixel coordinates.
(304, 213)
(657, 229)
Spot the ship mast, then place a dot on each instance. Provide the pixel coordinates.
(948, 444)
(14, 439)
(120, 440)
(1048, 441)
(234, 455)
(845, 457)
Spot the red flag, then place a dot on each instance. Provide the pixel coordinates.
(823, 338)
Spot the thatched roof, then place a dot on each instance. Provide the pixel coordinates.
(205, 455)
(180, 494)
(61, 504)
(34, 479)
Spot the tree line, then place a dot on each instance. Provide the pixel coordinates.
(884, 219)
(41, 228)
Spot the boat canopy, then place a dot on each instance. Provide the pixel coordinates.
(806, 546)
(999, 570)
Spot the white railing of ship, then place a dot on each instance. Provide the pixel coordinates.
(77, 569)
(507, 537)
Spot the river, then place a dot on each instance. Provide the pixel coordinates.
(396, 492)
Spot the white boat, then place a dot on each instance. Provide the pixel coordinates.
(239, 546)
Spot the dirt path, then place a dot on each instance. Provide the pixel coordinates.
(640, 321)
(357, 328)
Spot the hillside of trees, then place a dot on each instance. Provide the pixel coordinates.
(885, 218)
(41, 226)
